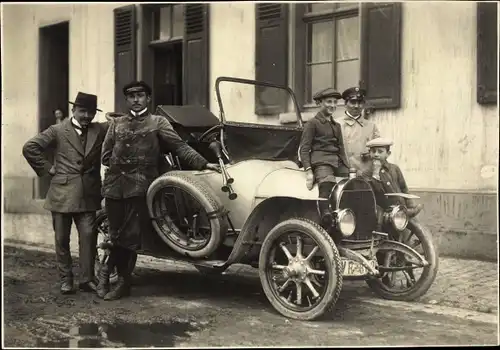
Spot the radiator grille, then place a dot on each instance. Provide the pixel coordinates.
(357, 195)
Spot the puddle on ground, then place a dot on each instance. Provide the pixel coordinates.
(92, 335)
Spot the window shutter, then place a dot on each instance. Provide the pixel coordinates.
(487, 55)
(381, 53)
(125, 52)
(271, 56)
(196, 55)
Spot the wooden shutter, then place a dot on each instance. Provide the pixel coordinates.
(381, 53)
(125, 52)
(271, 51)
(196, 55)
(487, 55)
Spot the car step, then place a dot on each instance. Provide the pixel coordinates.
(210, 263)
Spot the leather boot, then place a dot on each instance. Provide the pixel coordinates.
(326, 215)
(325, 188)
(103, 279)
(122, 287)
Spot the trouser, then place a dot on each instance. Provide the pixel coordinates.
(87, 241)
(324, 175)
(128, 220)
(122, 259)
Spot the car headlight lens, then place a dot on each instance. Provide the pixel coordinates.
(399, 218)
(346, 222)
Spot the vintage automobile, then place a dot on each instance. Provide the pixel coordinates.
(258, 211)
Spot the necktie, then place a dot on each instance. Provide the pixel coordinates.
(82, 133)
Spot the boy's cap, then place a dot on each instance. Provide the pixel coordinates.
(379, 142)
(325, 93)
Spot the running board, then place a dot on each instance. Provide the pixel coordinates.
(213, 264)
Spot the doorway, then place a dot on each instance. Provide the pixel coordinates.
(167, 80)
(53, 83)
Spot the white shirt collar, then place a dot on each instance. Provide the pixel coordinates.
(135, 114)
(76, 125)
(75, 122)
(351, 116)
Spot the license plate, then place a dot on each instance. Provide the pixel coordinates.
(353, 268)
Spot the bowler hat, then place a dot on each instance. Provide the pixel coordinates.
(137, 86)
(354, 93)
(87, 101)
(325, 93)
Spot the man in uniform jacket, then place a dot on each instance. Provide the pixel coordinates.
(356, 129)
(75, 187)
(131, 151)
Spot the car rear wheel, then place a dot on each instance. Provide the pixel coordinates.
(300, 269)
(412, 282)
(187, 215)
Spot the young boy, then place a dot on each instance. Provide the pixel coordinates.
(322, 151)
(387, 177)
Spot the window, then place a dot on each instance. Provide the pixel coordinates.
(173, 57)
(332, 47)
(348, 44)
(168, 22)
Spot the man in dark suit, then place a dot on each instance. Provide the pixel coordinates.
(75, 188)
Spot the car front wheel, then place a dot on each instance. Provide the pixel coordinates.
(407, 281)
(300, 269)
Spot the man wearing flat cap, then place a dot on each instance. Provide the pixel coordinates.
(387, 177)
(356, 129)
(75, 188)
(322, 151)
(131, 151)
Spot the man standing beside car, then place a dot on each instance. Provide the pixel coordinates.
(75, 188)
(131, 151)
(356, 129)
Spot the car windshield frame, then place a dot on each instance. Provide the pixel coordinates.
(254, 83)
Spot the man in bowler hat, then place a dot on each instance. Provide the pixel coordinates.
(356, 129)
(75, 188)
(131, 151)
(322, 150)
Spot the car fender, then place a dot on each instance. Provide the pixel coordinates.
(287, 182)
(247, 175)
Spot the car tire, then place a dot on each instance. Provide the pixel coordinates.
(428, 275)
(332, 262)
(204, 196)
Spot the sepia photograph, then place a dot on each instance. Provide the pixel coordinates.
(250, 174)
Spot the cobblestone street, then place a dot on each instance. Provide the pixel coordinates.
(173, 306)
(465, 284)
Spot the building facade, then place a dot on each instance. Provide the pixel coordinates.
(430, 70)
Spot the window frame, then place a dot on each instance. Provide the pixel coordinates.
(154, 12)
(302, 19)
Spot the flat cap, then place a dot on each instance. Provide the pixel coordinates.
(325, 93)
(354, 93)
(137, 86)
(379, 142)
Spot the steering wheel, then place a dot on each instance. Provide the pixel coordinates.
(209, 132)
